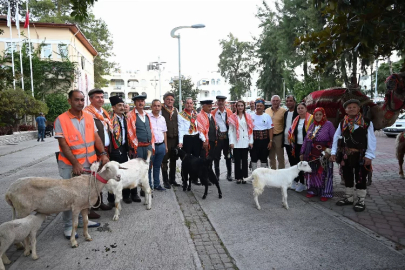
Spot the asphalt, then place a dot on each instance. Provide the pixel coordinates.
(310, 235)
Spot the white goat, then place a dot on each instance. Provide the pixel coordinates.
(19, 230)
(50, 196)
(281, 178)
(135, 174)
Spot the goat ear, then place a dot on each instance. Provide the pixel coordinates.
(122, 168)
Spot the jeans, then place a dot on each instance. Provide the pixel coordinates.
(66, 173)
(156, 162)
(41, 133)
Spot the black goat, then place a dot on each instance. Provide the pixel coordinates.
(193, 167)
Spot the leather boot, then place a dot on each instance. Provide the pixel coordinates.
(228, 169)
(134, 195)
(166, 179)
(93, 215)
(126, 195)
(104, 206)
(216, 167)
(111, 199)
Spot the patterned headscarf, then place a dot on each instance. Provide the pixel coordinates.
(323, 120)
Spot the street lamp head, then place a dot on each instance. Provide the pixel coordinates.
(198, 26)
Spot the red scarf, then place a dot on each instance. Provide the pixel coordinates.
(350, 122)
(228, 113)
(204, 124)
(192, 118)
(233, 120)
(323, 120)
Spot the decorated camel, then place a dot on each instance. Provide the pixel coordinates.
(382, 115)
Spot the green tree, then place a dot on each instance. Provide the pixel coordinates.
(187, 90)
(236, 65)
(57, 104)
(79, 9)
(363, 28)
(383, 73)
(16, 103)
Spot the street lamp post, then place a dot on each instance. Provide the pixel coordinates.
(178, 37)
(154, 80)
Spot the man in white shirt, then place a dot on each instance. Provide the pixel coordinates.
(262, 135)
(189, 138)
(252, 108)
(221, 115)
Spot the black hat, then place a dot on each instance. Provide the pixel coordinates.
(220, 97)
(138, 96)
(95, 91)
(232, 102)
(204, 102)
(168, 94)
(115, 100)
(350, 101)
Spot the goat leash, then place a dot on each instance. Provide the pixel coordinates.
(99, 178)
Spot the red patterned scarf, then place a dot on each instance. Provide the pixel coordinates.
(117, 134)
(233, 120)
(228, 113)
(350, 122)
(131, 121)
(291, 137)
(104, 118)
(204, 123)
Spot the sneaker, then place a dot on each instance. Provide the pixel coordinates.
(68, 233)
(160, 188)
(91, 224)
(300, 187)
(360, 206)
(343, 202)
(294, 185)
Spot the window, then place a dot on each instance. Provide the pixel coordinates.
(213, 93)
(249, 93)
(10, 46)
(218, 81)
(206, 94)
(105, 95)
(46, 51)
(63, 51)
(218, 93)
(83, 61)
(213, 81)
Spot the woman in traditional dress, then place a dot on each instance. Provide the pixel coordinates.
(240, 140)
(296, 136)
(318, 138)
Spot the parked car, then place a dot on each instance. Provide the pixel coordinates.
(396, 128)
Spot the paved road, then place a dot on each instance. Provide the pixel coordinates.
(182, 231)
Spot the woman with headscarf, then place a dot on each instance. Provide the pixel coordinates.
(240, 140)
(296, 135)
(319, 137)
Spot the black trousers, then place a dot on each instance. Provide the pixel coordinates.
(192, 145)
(222, 146)
(358, 173)
(170, 155)
(211, 152)
(295, 160)
(240, 156)
(120, 155)
(260, 151)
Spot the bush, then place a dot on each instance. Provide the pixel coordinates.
(6, 131)
(27, 127)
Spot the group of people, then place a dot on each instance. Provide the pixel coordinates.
(87, 134)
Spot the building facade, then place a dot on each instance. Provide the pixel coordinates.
(60, 40)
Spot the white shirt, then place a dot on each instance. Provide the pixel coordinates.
(141, 116)
(220, 119)
(262, 122)
(300, 126)
(106, 137)
(184, 126)
(288, 123)
(371, 141)
(244, 139)
(122, 128)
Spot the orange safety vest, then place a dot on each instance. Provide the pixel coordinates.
(80, 149)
